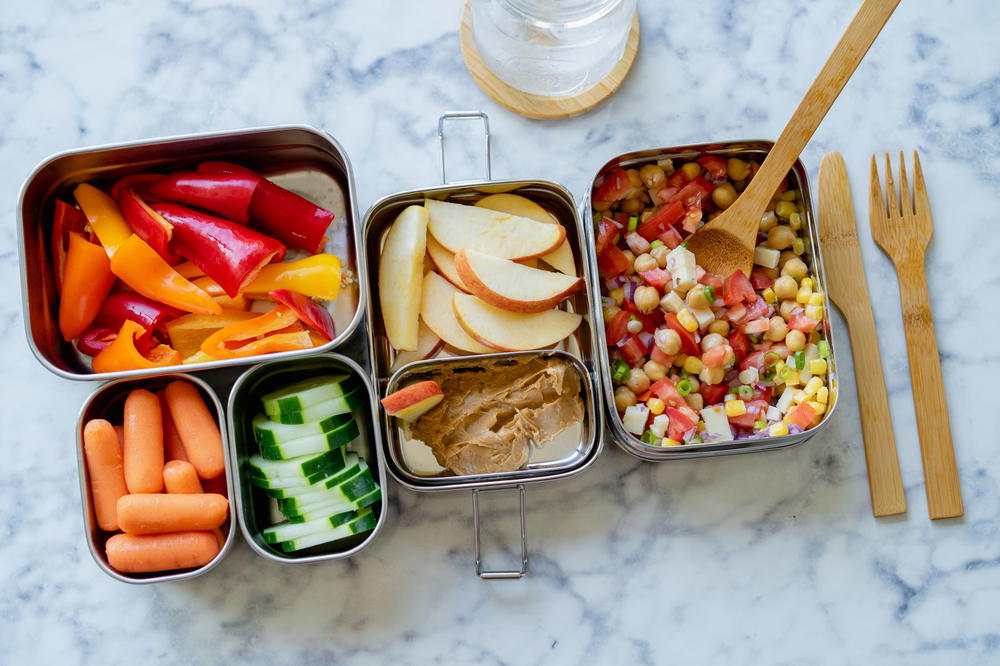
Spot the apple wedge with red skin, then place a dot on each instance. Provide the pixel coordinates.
(412, 402)
(511, 286)
(512, 331)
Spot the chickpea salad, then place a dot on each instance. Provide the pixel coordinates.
(696, 357)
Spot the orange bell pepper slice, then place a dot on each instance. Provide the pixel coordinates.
(260, 335)
(188, 332)
(87, 280)
(317, 276)
(122, 354)
(103, 217)
(140, 267)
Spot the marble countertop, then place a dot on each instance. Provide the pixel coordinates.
(769, 558)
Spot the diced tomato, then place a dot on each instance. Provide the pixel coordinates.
(671, 238)
(802, 415)
(740, 344)
(688, 344)
(803, 323)
(737, 288)
(755, 310)
(616, 185)
(717, 356)
(622, 219)
(633, 350)
(759, 279)
(736, 312)
(753, 360)
(763, 394)
(644, 396)
(713, 393)
(612, 262)
(667, 194)
(678, 179)
(743, 420)
(606, 232)
(650, 321)
(716, 167)
(655, 354)
(665, 217)
(756, 326)
(714, 281)
(616, 330)
(692, 218)
(679, 424)
(656, 277)
(667, 392)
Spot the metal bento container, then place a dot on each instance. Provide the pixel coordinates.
(253, 507)
(298, 157)
(754, 149)
(107, 401)
(580, 348)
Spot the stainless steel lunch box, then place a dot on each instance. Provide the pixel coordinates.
(107, 402)
(581, 348)
(252, 504)
(301, 158)
(813, 257)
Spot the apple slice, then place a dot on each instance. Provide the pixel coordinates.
(561, 258)
(428, 344)
(511, 286)
(509, 236)
(437, 312)
(413, 401)
(512, 331)
(444, 261)
(399, 269)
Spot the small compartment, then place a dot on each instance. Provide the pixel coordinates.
(255, 509)
(108, 403)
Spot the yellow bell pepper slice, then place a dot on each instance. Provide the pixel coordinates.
(103, 217)
(317, 276)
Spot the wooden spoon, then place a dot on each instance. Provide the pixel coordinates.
(727, 243)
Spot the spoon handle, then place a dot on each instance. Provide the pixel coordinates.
(851, 48)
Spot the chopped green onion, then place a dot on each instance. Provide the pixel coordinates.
(800, 360)
(754, 338)
(633, 318)
(732, 389)
(684, 245)
(769, 374)
(785, 372)
(745, 392)
(696, 440)
(759, 425)
(619, 370)
(633, 222)
(824, 349)
(709, 293)
(649, 437)
(655, 244)
(684, 387)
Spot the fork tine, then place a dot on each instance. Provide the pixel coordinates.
(891, 194)
(920, 201)
(876, 202)
(905, 202)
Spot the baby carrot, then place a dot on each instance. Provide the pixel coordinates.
(197, 427)
(219, 537)
(143, 443)
(174, 447)
(156, 513)
(120, 432)
(129, 553)
(104, 464)
(180, 478)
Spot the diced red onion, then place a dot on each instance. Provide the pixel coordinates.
(621, 343)
(753, 409)
(630, 290)
(794, 429)
(689, 435)
(730, 376)
(647, 340)
(637, 243)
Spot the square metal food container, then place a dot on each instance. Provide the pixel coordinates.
(253, 506)
(306, 160)
(107, 402)
(798, 179)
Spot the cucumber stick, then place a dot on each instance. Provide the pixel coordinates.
(306, 393)
(288, 531)
(279, 441)
(364, 522)
(314, 512)
(342, 404)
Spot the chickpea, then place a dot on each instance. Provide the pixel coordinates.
(695, 400)
(609, 312)
(786, 256)
(695, 384)
(696, 297)
(601, 206)
(624, 398)
(712, 375)
(780, 237)
(737, 169)
(776, 330)
(632, 206)
(767, 221)
(646, 298)
(786, 307)
(740, 185)
(644, 262)
(720, 326)
(667, 340)
(795, 268)
(692, 169)
(631, 259)
(655, 371)
(785, 287)
(637, 381)
(652, 176)
(660, 254)
(633, 177)
(769, 272)
(634, 326)
(724, 195)
(796, 340)
(714, 340)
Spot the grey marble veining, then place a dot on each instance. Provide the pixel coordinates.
(772, 558)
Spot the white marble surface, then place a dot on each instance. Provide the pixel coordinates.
(773, 558)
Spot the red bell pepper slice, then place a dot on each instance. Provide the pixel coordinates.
(607, 229)
(759, 279)
(716, 167)
(67, 218)
(737, 288)
(803, 323)
(229, 253)
(146, 223)
(612, 262)
(740, 343)
(633, 350)
(616, 330)
(713, 394)
(227, 194)
(150, 314)
(95, 339)
(136, 181)
(616, 185)
(688, 345)
(307, 310)
(661, 220)
(679, 424)
(656, 277)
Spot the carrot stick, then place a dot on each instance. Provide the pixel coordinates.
(157, 513)
(174, 447)
(219, 537)
(197, 427)
(180, 478)
(129, 553)
(120, 432)
(104, 464)
(143, 443)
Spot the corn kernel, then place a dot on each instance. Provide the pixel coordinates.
(618, 294)
(789, 195)
(798, 247)
(816, 312)
(803, 295)
(669, 442)
(799, 397)
(817, 298)
(793, 379)
(778, 429)
(687, 320)
(823, 395)
(817, 407)
(812, 386)
(817, 366)
(769, 296)
(784, 208)
(656, 406)
(807, 282)
(795, 221)
(692, 364)
(679, 360)
(736, 408)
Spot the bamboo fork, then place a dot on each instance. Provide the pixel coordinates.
(902, 228)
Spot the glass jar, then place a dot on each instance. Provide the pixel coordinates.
(551, 47)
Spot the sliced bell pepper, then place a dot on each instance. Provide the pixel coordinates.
(95, 339)
(308, 311)
(189, 270)
(227, 194)
(140, 267)
(67, 218)
(147, 224)
(134, 181)
(317, 276)
(280, 213)
(260, 335)
(103, 217)
(188, 332)
(122, 354)
(229, 253)
(147, 312)
(87, 282)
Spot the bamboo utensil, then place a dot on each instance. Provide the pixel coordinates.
(727, 242)
(847, 286)
(903, 229)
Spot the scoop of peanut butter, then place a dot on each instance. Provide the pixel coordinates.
(492, 412)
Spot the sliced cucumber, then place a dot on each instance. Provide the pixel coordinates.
(275, 446)
(315, 512)
(333, 469)
(339, 405)
(300, 395)
(294, 468)
(288, 531)
(314, 492)
(364, 522)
